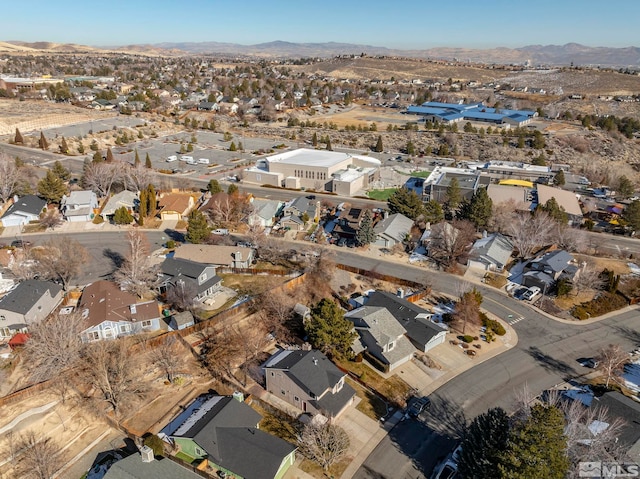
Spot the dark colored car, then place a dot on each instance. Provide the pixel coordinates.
(21, 243)
(418, 405)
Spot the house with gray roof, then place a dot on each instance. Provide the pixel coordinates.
(135, 467)
(125, 198)
(545, 270)
(29, 302)
(491, 253)
(223, 430)
(202, 278)
(392, 230)
(423, 333)
(23, 210)
(264, 212)
(79, 206)
(309, 381)
(381, 335)
(302, 205)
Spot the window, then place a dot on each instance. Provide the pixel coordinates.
(340, 385)
(199, 451)
(203, 277)
(272, 373)
(146, 323)
(5, 333)
(296, 398)
(258, 177)
(92, 336)
(391, 346)
(125, 328)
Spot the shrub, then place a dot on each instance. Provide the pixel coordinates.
(467, 338)
(603, 304)
(171, 244)
(492, 325)
(97, 219)
(155, 443)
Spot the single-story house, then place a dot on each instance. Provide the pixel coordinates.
(309, 381)
(302, 205)
(202, 277)
(23, 210)
(565, 199)
(392, 230)
(108, 312)
(217, 255)
(146, 466)
(490, 253)
(381, 335)
(125, 198)
(79, 206)
(264, 212)
(29, 302)
(223, 431)
(176, 206)
(181, 321)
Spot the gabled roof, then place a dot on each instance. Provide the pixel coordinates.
(304, 205)
(395, 226)
(178, 202)
(566, 199)
(620, 406)
(266, 209)
(31, 204)
(177, 268)
(84, 197)
(27, 294)
(495, 248)
(132, 467)
(124, 198)
(310, 369)
(382, 325)
(213, 254)
(105, 301)
(557, 261)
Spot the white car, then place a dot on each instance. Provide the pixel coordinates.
(531, 293)
(172, 158)
(187, 159)
(203, 161)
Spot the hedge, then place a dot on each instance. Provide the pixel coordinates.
(605, 303)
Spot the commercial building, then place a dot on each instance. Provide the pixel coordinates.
(436, 184)
(320, 170)
(449, 113)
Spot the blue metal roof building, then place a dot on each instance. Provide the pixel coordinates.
(453, 112)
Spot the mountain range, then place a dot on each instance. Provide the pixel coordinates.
(571, 53)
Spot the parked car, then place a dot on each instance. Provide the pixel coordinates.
(21, 243)
(187, 159)
(418, 405)
(221, 232)
(531, 294)
(341, 242)
(203, 161)
(172, 158)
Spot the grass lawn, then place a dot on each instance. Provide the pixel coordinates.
(381, 195)
(184, 457)
(416, 174)
(370, 404)
(393, 388)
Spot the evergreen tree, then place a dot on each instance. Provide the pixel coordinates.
(365, 234)
(18, 140)
(453, 195)
(51, 188)
(109, 155)
(152, 201)
(538, 140)
(631, 215)
(136, 160)
(198, 229)
(232, 146)
(433, 212)
(240, 146)
(64, 148)
(143, 205)
(314, 139)
(406, 202)
(625, 187)
(483, 445)
(60, 171)
(537, 447)
(478, 210)
(214, 187)
(43, 144)
(379, 147)
(539, 160)
(329, 148)
(147, 161)
(555, 211)
(443, 150)
(122, 216)
(559, 179)
(411, 148)
(329, 331)
(232, 189)
(520, 141)
(97, 157)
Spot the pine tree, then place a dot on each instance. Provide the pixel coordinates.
(198, 228)
(314, 139)
(411, 148)
(483, 445)
(143, 205)
(625, 187)
(232, 189)
(51, 188)
(136, 160)
(232, 146)
(147, 161)
(109, 155)
(406, 202)
(329, 331)
(60, 171)
(42, 142)
(18, 140)
(240, 146)
(64, 148)
(97, 157)
(329, 148)
(152, 201)
(379, 147)
(433, 212)
(478, 209)
(214, 187)
(555, 211)
(559, 179)
(631, 215)
(365, 234)
(453, 195)
(122, 216)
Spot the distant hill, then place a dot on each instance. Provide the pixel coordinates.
(535, 54)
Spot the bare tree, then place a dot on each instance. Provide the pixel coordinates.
(219, 350)
(137, 274)
(450, 242)
(109, 370)
(275, 309)
(467, 310)
(587, 277)
(530, 231)
(51, 218)
(181, 295)
(10, 176)
(54, 345)
(325, 444)
(136, 178)
(168, 356)
(502, 216)
(40, 457)
(100, 177)
(611, 361)
(61, 258)
(570, 239)
(23, 264)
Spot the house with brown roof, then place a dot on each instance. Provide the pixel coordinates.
(217, 255)
(565, 199)
(176, 206)
(108, 312)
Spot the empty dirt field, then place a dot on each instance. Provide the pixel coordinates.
(365, 115)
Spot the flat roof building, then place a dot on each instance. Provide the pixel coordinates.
(455, 112)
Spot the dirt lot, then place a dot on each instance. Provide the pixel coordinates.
(364, 115)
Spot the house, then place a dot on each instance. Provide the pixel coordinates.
(224, 431)
(545, 270)
(381, 336)
(302, 311)
(217, 255)
(619, 406)
(181, 321)
(23, 210)
(392, 230)
(201, 277)
(79, 206)
(125, 198)
(264, 212)
(423, 333)
(491, 253)
(291, 222)
(176, 206)
(145, 466)
(303, 205)
(309, 381)
(208, 106)
(108, 312)
(29, 302)
(565, 199)
(348, 223)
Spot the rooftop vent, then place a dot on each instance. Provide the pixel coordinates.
(147, 454)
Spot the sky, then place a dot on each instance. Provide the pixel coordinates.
(408, 24)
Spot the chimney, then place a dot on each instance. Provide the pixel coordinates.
(132, 308)
(238, 396)
(146, 453)
(315, 361)
(15, 198)
(400, 293)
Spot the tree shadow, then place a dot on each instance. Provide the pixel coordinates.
(116, 258)
(552, 364)
(175, 235)
(629, 333)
